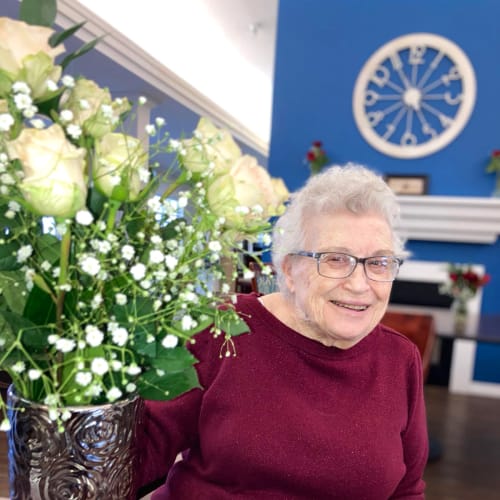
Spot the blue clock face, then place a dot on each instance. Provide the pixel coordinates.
(414, 95)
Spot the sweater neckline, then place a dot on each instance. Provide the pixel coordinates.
(269, 324)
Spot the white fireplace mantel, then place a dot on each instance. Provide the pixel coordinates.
(450, 218)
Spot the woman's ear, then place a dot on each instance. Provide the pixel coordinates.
(286, 267)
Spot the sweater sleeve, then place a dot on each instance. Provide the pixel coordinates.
(171, 427)
(166, 430)
(415, 437)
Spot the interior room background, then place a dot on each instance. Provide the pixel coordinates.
(321, 47)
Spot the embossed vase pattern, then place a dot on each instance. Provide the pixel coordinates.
(93, 458)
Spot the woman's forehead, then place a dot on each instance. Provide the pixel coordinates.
(345, 231)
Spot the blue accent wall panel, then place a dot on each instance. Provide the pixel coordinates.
(321, 47)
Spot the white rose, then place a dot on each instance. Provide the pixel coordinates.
(25, 54)
(211, 147)
(54, 180)
(92, 107)
(119, 159)
(247, 195)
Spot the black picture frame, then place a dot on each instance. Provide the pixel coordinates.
(405, 184)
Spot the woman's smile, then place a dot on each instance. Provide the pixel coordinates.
(350, 306)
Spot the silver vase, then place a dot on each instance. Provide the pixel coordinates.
(92, 458)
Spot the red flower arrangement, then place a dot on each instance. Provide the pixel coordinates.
(463, 282)
(494, 164)
(316, 157)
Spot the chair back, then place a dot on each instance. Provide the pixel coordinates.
(419, 328)
(262, 282)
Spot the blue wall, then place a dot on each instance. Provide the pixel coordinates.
(321, 47)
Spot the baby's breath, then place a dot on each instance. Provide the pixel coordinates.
(111, 254)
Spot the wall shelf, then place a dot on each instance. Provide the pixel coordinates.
(450, 218)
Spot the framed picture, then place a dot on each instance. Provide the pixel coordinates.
(407, 184)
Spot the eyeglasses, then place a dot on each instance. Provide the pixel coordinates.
(341, 265)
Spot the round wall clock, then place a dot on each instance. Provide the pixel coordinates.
(414, 95)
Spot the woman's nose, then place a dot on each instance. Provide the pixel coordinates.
(358, 279)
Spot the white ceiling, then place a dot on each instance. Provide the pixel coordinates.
(250, 25)
(222, 48)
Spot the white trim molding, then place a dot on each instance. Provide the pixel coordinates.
(130, 56)
(462, 372)
(450, 218)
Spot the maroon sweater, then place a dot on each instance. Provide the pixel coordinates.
(289, 418)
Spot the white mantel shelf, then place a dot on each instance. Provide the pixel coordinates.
(450, 218)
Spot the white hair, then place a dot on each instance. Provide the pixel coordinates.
(337, 188)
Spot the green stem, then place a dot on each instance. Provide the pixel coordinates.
(40, 283)
(172, 187)
(497, 184)
(61, 292)
(113, 209)
(63, 275)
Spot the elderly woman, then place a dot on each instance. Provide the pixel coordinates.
(321, 400)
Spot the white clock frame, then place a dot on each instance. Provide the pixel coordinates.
(411, 96)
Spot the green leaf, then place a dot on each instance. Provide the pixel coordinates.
(49, 247)
(6, 334)
(96, 201)
(5, 83)
(58, 38)
(174, 360)
(50, 105)
(80, 52)
(169, 232)
(40, 308)
(160, 387)
(232, 324)
(8, 260)
(119, 282)
(38, 12)
(142, 309)
(33, 337)
(176, 325)
(13, 357)
(141, 346)
(13, 295)
(136, 224)
(139, 308)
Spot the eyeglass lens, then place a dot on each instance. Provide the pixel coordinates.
(339, 265)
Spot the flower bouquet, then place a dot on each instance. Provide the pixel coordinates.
(110, 260)
(462, 284)
(316, 157)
